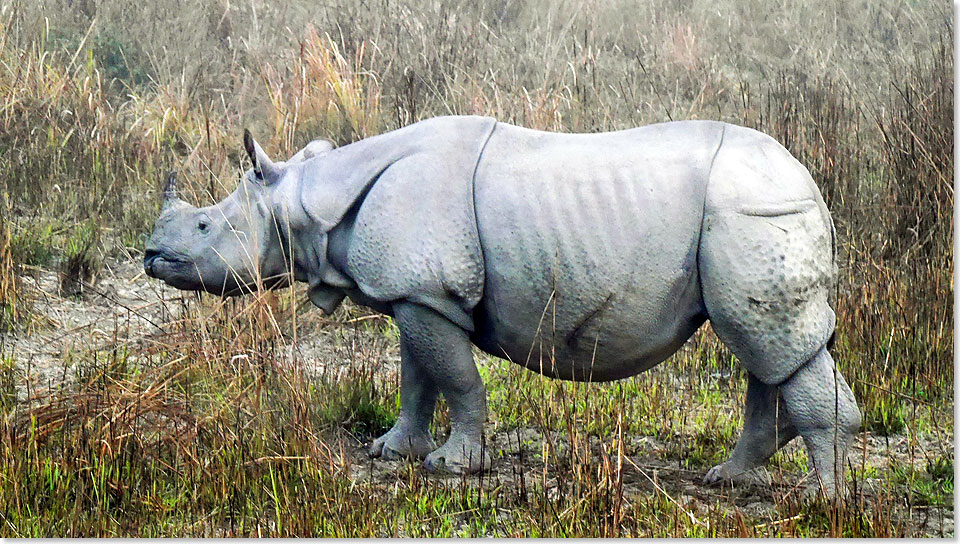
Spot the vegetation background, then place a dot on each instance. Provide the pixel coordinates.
(189, 415)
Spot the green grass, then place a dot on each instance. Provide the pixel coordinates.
(204, 433)
(34, 245)
(923, 487)
(886, 417)
(80, 262)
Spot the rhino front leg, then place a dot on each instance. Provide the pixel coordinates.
(766, 428)
(442, 350)
(410, 435)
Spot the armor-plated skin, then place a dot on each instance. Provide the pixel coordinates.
(588, 257)
(593, 260)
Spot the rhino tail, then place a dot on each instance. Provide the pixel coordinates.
(834, 293)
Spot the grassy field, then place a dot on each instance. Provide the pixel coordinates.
(130, 409)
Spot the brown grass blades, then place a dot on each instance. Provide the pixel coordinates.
(209, 407)
(324, 94)
(918, 149)
(12, 305)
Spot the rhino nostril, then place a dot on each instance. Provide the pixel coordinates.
(149, 255)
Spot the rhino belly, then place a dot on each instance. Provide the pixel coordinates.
(590, 259)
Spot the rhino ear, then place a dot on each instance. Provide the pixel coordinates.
(263, 167)
(311, 150)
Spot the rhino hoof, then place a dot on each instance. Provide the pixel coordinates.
(399, 443)
(459, 456)
(726, 474)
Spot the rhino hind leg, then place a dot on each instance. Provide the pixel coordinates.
(766, 428)
(442, 350)
(822, 407)
(766, 280)
(815, 403)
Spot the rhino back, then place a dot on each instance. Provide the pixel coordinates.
(590, 245)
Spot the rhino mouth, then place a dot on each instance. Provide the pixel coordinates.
(173, 270)
(183, 274)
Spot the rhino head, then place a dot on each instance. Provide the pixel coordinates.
(234, 246)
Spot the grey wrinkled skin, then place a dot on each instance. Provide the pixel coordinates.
(579, 256)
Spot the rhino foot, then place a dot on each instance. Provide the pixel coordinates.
(728, 473)
(460, 455)
(402, 443)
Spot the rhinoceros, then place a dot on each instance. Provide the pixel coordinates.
(580, 256)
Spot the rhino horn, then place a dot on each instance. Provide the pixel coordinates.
(263, 167)
(170, 191)
(170, 198)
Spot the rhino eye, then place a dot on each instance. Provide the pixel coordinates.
(202, 226)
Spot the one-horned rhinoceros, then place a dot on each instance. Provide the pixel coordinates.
(579, 256)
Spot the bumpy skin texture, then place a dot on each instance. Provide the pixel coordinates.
(587, 257)
(766, 258)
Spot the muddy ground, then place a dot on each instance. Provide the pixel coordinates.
(125, 305)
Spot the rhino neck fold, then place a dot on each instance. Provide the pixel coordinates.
(332, 187)
(311, 260)
(334, 183)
